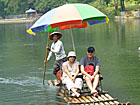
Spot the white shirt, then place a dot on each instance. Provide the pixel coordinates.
(71, 69)
(58, 49)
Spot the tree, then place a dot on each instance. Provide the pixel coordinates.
(107, 2)
(116, 4)
(122, 5)
(3, 9)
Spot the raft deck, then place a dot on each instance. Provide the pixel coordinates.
(86, 98)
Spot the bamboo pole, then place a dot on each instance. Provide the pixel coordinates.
(107, 95)
(72, 39)
(102, 99)
(96, 99)
(92, 100)
(85, 99)
(76, 100)
(46, 57)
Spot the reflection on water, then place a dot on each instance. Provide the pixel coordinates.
(22, 56)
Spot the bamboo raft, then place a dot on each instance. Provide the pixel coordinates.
(86, 98)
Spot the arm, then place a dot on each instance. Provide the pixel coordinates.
(98, 65)
(50, 54)
(97, 70)
(57, 48)
(83, 71)
(65, 69)
(77, 71)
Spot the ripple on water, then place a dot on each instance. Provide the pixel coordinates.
(26, 81)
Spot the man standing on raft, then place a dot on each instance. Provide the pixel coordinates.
(58, 49)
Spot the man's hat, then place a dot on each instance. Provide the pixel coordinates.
(55, 33)
(91, 49)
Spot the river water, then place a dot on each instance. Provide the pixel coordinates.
(22, 57)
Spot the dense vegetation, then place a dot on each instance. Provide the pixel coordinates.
(8, 7)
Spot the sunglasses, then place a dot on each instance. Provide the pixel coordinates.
(72, 57)
(90, 51)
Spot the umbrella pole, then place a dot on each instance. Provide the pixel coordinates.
(46, 57)
(72, 39)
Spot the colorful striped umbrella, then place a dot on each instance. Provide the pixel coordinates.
(66, 17)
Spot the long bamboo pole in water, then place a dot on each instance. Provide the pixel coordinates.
(46, 57)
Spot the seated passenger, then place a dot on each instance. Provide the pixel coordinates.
(71, 76)
(90, 66)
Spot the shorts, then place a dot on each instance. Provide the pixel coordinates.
(58, 65)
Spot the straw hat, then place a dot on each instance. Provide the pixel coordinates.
(55, 33)
(72, 53)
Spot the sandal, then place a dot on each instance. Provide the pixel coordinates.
(94, 92)
(76, 95)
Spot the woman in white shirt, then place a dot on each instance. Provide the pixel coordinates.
(58, 49)
(71, 72)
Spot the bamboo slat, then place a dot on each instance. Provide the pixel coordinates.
(107, 95)
(74, 100)
(81, 100)
(101, 99)
(96, 99)
(92, 100)
(66, 99)
(86, 97)
(105, 98)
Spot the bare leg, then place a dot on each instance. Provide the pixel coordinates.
(89, 82)
(95, 82)
(74, 90)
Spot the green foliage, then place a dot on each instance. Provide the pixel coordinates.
(8, 7)
(20, 6)
(134, 1)
(3, 9)
(132, 7)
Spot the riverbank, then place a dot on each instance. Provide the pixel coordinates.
(24, 20)
(126, 17)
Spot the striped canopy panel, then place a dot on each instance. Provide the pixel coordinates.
(66, 17)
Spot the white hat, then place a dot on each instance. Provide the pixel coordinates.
(72, 53)
(57, 33)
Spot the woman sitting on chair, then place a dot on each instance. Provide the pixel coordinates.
(71, 76)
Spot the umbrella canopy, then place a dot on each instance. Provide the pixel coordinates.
(30, 10)
(68, 16)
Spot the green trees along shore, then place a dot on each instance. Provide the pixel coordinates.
(109, 7)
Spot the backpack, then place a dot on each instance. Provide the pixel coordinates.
(90, 69)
